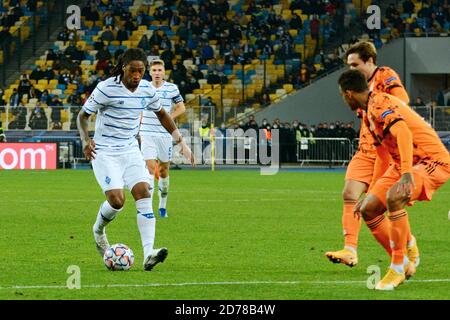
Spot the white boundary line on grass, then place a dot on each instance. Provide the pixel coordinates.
(183, 284)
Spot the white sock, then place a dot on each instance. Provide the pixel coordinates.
(398, 268)
(350, 248)
(105, 215)
(163, 184)
(146, 223)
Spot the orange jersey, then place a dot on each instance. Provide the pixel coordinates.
(384, 79)
(384, 110)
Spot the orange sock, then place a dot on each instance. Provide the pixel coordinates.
(398, 234)
(351, 224)
(379, 227)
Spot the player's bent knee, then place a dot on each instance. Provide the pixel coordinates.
(350, 195)
(395, 201)
(116, 201)
(370, 209)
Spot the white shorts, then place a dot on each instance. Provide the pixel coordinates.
(116, 171)
(157, 148)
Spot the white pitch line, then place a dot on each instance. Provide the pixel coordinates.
(185, 284)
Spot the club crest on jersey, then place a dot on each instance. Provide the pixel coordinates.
(107, 180)
(143, 103)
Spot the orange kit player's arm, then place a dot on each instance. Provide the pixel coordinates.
(400, 93)
(393, 85)
(405, 147)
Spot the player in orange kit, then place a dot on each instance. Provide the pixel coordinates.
(362, 57)
(420, 164)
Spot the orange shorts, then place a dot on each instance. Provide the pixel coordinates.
(428, 177)
(361, 168)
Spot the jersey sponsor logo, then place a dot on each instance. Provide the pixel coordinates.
(386, 113)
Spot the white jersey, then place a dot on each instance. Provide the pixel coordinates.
(168, 95)
(118, 113)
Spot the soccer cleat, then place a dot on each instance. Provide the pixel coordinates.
(162, 212)
(158, 255)
(391, 280)
(344, 256)
(412, 252)
(101, 242)
(410, 269)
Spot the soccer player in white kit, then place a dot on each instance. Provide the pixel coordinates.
(156, 142)
(116, 159)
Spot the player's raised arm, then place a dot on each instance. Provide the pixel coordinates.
(87, 143)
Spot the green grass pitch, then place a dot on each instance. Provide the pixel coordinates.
(230, 234)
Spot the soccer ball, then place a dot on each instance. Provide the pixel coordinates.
(118, 257)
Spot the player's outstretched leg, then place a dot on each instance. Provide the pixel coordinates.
(105, 215)
(157, 256)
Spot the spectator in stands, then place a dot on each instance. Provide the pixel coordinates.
(5, 39)
(70, 50)
(408, 7)
(144, 44)
(418, 102)
(92, 13)
(56, 106)
(20, 117)
(45, 97)
(48, 74)
(265, 98)
(108, 19)
(25, 86)
(107, 34)
(2, 101)
(14, 98)
(156, 38)
(296, 22)
(51, 55)
(75, 106)
(213, 77)
(38, 118)
(37, 73)
(349, 132)
(304, 75)
(208, 102)
(64, 77)
(103, 56)
(142, 18)
(122, 34)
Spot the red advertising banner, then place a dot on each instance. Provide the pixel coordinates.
(28, 156)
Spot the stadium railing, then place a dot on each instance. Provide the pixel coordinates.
(330, 151)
